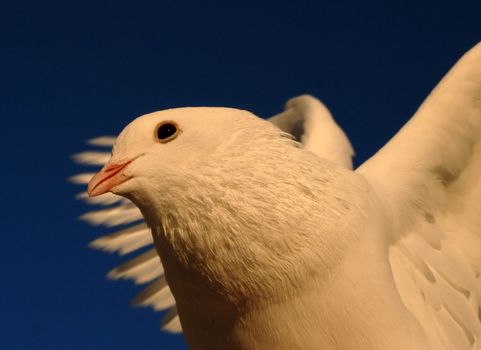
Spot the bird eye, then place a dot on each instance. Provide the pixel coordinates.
(166, 131)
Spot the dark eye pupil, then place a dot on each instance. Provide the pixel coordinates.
(166, 130)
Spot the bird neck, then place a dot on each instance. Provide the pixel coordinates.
(353, 306)
(248, 235)
(247, 250)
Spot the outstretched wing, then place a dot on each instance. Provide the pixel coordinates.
(305, 117)
(429, 176)
(310, 122)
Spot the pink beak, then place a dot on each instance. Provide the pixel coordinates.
(106, 179)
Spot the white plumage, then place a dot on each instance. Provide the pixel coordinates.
(304, 116)
(267, 244)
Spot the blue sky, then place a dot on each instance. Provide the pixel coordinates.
(72, 71)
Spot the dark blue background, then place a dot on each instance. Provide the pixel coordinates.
(75, 70)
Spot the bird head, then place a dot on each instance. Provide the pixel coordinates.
(156, 147)
(230, 193)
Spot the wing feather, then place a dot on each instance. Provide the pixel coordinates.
(102, 141)
(435, 157)
(156, 295)
(171, 322)
(119, 215)
(142, 269)
(124, 241)
(429, 178)
(311, 123)
(105, 199)
(81, 179)
(91, 158)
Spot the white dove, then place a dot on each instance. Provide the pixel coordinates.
(305, 118)
(266, 245)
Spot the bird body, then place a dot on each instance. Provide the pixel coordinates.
(288, 299)
(237, 285)
(267, 245)
(245, 262)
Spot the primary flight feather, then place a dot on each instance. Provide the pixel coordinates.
(266, 243)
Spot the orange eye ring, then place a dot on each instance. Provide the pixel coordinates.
(166, 131)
